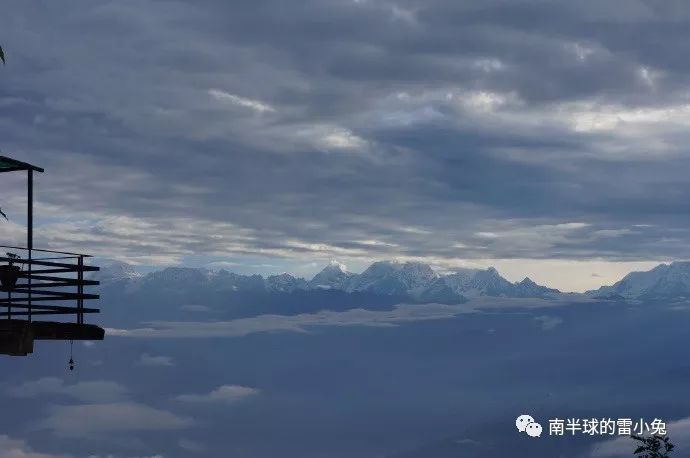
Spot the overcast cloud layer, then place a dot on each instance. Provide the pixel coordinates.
(285, 134)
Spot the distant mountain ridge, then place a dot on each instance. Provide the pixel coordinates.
(416, 281)
(413, 280)
(663, 282)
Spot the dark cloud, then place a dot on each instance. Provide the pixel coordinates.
(358, 129)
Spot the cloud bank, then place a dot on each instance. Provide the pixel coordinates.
(357, 129)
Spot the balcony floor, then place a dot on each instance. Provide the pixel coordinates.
(17, 336)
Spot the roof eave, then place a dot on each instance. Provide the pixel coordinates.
(18, 165)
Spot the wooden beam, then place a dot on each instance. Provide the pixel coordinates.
(52, 330)
(49, 271)
(53, 278)
(71, 267)
(54, 307)
(54, 284)
(19, 164)
(67, 253)
(12, 169)
(46, 330)
(35, 311)
(54, 296)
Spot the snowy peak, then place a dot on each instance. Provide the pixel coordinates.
(285, 283)
(665, 281)
(333, 276)
(528, 288)
(471, 283)
(390, 278)
(491, 282)
(222, 280)
(113, 271)
(475, 282)
(177, 278)
(416, 274)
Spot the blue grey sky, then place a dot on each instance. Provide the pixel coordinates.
(548, 139)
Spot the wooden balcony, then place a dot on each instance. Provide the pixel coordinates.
(37, 284)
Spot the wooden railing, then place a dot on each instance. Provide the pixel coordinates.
(48, 283)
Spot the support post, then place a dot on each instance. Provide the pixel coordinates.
(80, 291)
(30, 230)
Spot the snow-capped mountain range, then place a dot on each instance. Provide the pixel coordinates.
(410, 280)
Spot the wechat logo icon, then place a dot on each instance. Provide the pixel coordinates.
(526, 424)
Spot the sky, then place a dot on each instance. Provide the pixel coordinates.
(547, 139)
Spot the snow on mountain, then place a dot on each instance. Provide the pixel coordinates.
(190, 279)
(222, 280)
(414, 280)
(471, 283)
(528, 288)
(665, 281)
(113, 271)
(285, 283)
(489, 283)
(333, 276)
(390, 278)
(176, 278)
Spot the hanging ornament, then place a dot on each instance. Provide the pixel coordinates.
(71, 359)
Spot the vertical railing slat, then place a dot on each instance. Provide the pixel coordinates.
(80, 290)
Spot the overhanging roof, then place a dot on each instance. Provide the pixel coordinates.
(8, 164)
